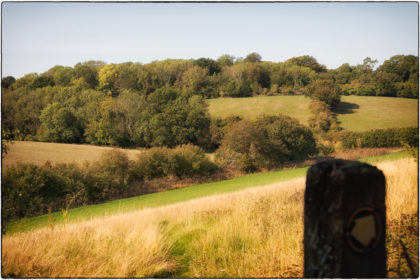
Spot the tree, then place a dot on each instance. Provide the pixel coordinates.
(8, 81)
(307, 61)
(107, 77)
(60, 124)
(325, 91)
(322, 118)
(88, 71)
(211, 65)
(226, 60)
(287, 139)
(109, 126)
(181, 121)
(63, 76)
(385, 84)
(195, 79)
(242, 147)
(253, 57)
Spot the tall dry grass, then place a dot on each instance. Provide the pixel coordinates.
(401, 191)
(253, 233)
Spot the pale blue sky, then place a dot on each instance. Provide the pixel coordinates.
(37, 36)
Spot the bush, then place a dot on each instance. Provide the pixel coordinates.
(288, 139)
(322, 118)
(324, 91)
(380, 138)
(108, 177)
(265, 143)
(190, 160)
(182, 161)
(29, 190)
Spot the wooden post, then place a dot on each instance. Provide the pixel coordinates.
(344, 221)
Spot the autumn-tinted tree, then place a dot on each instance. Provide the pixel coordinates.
(325, 91)
(253, 57)
(307, 61)
(226, 60)
(287, 138)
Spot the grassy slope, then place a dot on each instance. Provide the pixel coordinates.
(174, 196)
(359, 113)
(355, 113)
(254, 233)
(161, 198)
(40, 152)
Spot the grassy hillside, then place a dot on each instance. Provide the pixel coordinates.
(251, 107)
(355, 113)
(159, 199)
(40, 152)
(252, 233)
(175, 196)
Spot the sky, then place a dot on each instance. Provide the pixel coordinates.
(36, 36)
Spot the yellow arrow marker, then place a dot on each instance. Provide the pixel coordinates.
(364, 229)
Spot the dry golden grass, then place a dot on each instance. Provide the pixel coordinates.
(401, 192)
(40, 152)
(252, 233)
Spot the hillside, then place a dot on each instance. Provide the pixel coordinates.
(183, 194)
(40, 152)
(355, 113)
(252, 233)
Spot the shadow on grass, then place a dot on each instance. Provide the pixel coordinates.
(346, 108)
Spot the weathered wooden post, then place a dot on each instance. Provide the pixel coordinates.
(344, 221)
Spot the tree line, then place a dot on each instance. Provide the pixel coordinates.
(163, 103)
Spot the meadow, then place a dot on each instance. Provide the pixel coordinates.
(354, 113)
(256, 232)
(41, 152)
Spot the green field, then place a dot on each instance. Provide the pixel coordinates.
(174, 196)
(355, 113)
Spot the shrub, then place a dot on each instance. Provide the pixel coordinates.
(28, 190)
(265, 143)
(287, 138)
(185, 160)
(322, 118)
(380, 138)
(190, 160)
(324, 91)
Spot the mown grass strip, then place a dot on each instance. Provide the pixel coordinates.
(174, 196)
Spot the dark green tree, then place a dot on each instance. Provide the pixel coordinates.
(325, 91)
(7, 82)
(60, 124)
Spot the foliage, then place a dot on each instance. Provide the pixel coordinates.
(253, 57)
(325, 91)
(7, 82)
(182, 161)
(286, 135)
(265, 143)
(393, 137)
(60, 124)
(30, 190)
(136, 120)
(322, 118)
(307, 61)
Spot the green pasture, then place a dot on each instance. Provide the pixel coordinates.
(174, 196)
(354, 113)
